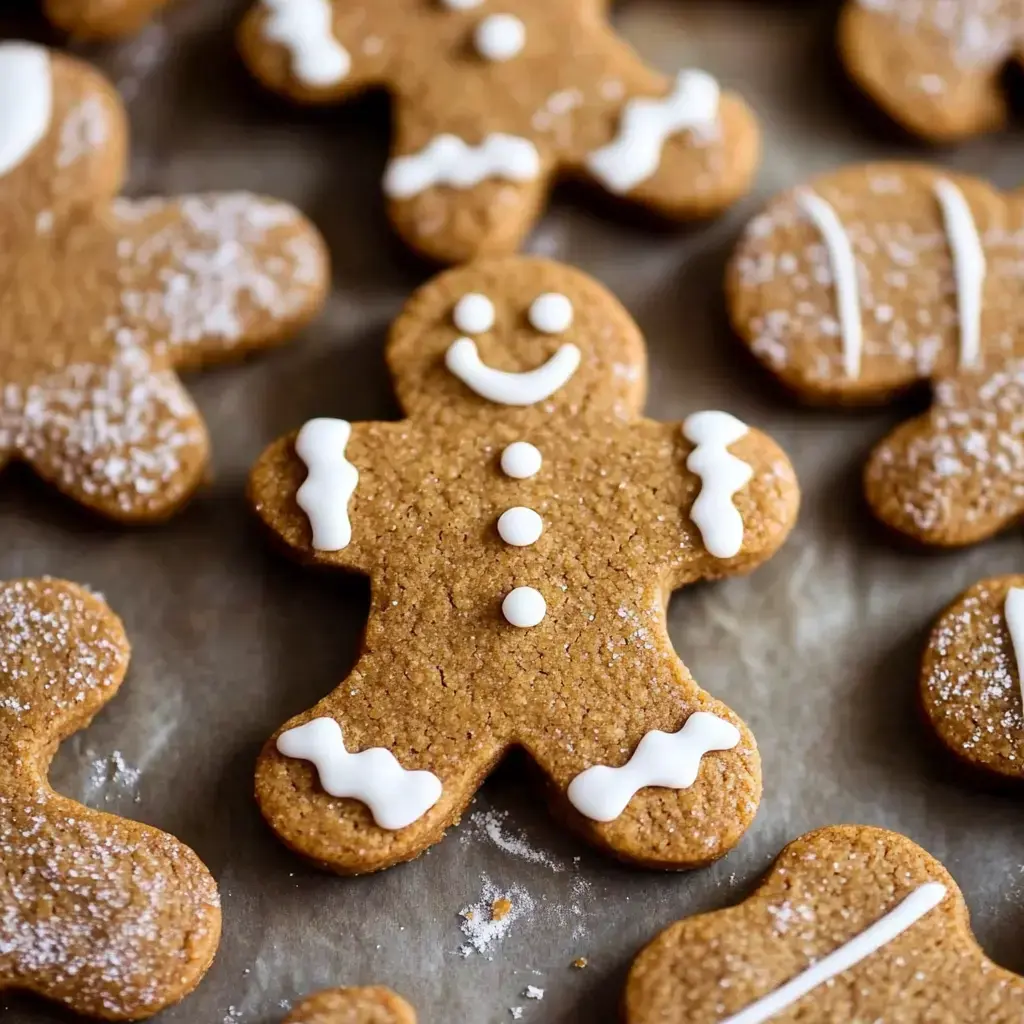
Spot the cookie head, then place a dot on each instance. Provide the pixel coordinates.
(516, 337)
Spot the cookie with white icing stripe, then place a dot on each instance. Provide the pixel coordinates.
(523, 529)
(493, 102)
(101, 19)
(935, 66)
(970, 685)
(850, 924)
(110, 918)
(871, 279)
(105, 298)
(368, 1005)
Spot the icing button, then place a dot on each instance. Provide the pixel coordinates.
(524, 607)
(521, 460)
(500, 37)
(520, 526)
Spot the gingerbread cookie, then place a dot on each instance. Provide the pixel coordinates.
(523, 530)
(971, 675)
(104, 298)
(108, 917)
(101, 19)
(494, 103)
(850, 924)
(870, 279)
(935, 66)
(370, 1005)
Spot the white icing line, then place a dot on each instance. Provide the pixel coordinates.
(331, 482)
(26, 101)
(448, 160)
(634, 155)
(395, 796)
(907, 913)
(968, 267)
(721, 474)
(306, 29)
(844, 274)
(508, 388)
(664, 759)
(1013, 612)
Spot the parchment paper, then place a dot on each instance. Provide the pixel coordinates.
(818, 650)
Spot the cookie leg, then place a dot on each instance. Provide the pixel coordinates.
(123, 439)
(101, 19)
(925, 76)
(401, 744)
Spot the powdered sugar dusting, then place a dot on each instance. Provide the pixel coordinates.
(85, 130)
(484, 928)
(492, 825)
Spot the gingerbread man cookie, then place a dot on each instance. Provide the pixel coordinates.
(523, 530)
(111, 918)
(971, 675)
(851, 924)
(104, 298)
(870, 279)
(369, 1005)
(935, 66)
(101, 19)
(493, 102)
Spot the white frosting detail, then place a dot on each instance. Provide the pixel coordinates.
(447, 160)
(968, 266)
(551, 313)
(461, 5)
(306, 29)
(660, 759)
(505, 387)
(906, 913)
(26, 101)
(395, 796)
(521, 460)
(473, 314)
(524, 607)
(1013, 612)
(721, 474)
(500, 37)
(331, 482)
(634, 155)
(520, 526)
(844, 274)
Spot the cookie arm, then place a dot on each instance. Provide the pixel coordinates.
(206, 277)
(101, 19)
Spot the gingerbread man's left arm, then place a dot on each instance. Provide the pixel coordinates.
(101, 19)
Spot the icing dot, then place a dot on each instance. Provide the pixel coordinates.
(521, 460)
(473, 314)
(520, 526)
(461, 5)
(551, 313)
(500, 37)
(524, 607)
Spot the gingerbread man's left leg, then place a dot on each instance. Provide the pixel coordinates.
(101, 19)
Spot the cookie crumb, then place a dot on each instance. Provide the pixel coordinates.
(533, 992)
(580, 962)
(500, 908)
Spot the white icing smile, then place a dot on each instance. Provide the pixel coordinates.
(509, 388)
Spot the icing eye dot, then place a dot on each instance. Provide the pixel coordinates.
(499, 37)
(551, 313)
(521, 460)
(520, 526)
(461, 5)
(524, 607)
(473, 314)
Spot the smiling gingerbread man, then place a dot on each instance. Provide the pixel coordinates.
(523, 530)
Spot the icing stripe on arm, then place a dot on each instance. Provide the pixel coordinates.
(306, 29)
(907, 913)
(332, 481)
(26, 101)
(721, 476)
(395, 796)
(968, 267)
(1013, 612)
(844, 274)
(664, 759)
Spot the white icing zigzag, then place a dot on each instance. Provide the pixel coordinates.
(396, 797)
(306, 29)
(660, 759)
(332, 481)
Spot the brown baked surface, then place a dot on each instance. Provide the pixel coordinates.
(101, 19)
(369, 1005)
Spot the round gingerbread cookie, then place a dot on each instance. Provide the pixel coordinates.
(368, 1005)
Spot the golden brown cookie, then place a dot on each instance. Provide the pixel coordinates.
(872, 278)
(523, 529)
(494, 102)
(971, 677)
(851, 924)
(113, 919)
(935, 66)
(101, 19)
(105, 298)
(369, 1005)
